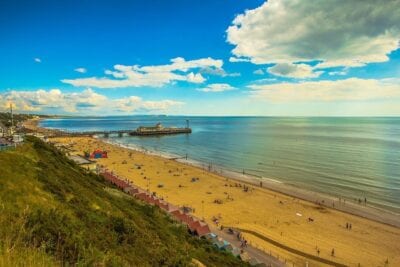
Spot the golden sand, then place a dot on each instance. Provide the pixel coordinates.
(271, 214)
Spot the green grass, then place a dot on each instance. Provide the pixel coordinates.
(54, 213)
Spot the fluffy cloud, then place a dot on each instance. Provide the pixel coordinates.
(37, 60)
(337, 33)
(291, 70)
(80, 70)
(216, 87)
(86, 101)
(352, 89)
(156, 76)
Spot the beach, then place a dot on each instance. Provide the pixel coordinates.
(239, 203)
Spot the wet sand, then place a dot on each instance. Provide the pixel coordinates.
(270, 213)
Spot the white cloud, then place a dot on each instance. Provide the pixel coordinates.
(291, 70)
(352, 89)
(340, 72)
(38, 60)
(237, 59)
(86, 101)
(80, 70)
(135, 103)
(156, 76)
(259, 72)
(337, 33)
(216, 87)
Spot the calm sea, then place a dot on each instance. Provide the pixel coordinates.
(349, 157)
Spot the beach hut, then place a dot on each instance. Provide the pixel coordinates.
(132, 191)
(170, 208)
(187, 219)
(141, 195)
(128, 189)
(193, 225)
(176, 214)
(203, 230)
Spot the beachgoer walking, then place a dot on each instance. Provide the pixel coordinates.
(333, 252)
(347, 225)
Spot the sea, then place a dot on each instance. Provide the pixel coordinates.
(348, 157)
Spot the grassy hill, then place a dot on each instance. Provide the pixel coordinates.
(53, 213)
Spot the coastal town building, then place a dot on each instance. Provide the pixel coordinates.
(3, 130)
(83, 162)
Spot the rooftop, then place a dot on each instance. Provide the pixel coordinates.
(80, 160)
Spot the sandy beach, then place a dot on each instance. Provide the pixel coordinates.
(296, 223)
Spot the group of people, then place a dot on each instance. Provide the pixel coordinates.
(243, 242)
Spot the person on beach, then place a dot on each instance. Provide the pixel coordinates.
(333, 252)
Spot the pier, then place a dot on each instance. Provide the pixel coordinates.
(156, 130)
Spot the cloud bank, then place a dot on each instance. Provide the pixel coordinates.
(86, 101)
(154, 76)
(345, 33)
(352, 89)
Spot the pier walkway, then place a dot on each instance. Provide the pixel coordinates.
(121, 133)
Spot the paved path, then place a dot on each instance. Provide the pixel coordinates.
(253, 252)
(292, 250)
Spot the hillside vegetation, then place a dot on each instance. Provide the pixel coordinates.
(54, 213)
(5, 118)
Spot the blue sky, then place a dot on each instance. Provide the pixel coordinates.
(200, 57)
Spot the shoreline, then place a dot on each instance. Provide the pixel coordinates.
(291, 221)
(271, 212)
(339, 203)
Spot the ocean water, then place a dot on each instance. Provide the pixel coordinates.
(346, 157)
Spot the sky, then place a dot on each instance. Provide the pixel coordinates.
(228, 58)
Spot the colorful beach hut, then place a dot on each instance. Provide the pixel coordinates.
(98, 154)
